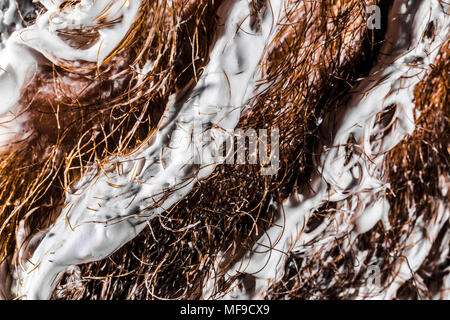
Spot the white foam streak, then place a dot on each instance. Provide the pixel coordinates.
(112, 206)
(18, 55)
(418, 245)
(43, 36)
(357, 182)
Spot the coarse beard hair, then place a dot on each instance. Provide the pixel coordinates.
(74, 118)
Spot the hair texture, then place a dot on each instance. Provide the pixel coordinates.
(81, 116)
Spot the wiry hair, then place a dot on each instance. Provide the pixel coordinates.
(226, 213)
(82, 115)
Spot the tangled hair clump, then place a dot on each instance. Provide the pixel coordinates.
(81, 116)
(226, 213)
(417, 169)
(84, 115)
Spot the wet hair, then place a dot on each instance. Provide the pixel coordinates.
(225, 214)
